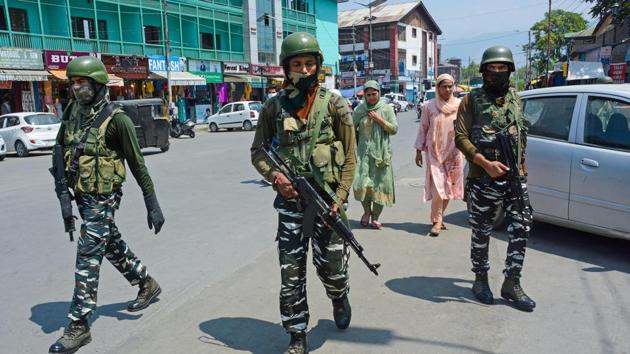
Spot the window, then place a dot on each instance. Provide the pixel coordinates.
(550, 116)
(226, 109)
(379, 33)
(414, 60)
(2, 122)
(207, 40)
(19, 20)
(152, 34)
(430, 36)
(239, 107)
(402, 33)
(84, 28)
(607, 122)
(12, 121)
(414, 33)
(41, 119)
(255, 106)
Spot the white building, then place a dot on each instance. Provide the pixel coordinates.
(403, 47)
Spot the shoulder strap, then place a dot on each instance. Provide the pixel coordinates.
(100, 118)
(318, 122)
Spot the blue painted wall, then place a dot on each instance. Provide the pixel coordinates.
(327, 29)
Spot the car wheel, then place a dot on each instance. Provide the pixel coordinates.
(247, 125)
(213, 127)
(21, 149)
(165, 148)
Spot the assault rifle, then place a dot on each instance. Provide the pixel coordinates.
(504, 144)
(312, 199)
(61, 188)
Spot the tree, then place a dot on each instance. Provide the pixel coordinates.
(620, 10)
(562, 22)
(469, 72)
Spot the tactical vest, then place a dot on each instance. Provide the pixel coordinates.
(294, 140)
(101, 170)
(492, 117)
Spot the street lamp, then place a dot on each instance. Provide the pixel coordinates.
(370, 18)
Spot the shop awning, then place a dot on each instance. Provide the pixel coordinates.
(179, 78)
(23, 75)
(113, 79)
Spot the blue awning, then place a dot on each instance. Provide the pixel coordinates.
(347, 93)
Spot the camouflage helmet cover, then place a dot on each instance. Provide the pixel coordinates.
(497, 54)
(88, 66)
(300, 43)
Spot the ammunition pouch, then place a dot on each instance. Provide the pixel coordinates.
(327, 161)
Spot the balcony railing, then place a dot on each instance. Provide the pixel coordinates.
(49, 42)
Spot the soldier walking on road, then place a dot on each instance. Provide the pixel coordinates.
(492, 109)
(314, 132)
(97, 138)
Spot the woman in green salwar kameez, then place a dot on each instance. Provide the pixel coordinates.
(375, 121)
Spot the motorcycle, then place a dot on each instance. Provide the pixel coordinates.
(178, 129)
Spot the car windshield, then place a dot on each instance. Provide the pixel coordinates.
(41, 119)
(430, 95)
(255, 106)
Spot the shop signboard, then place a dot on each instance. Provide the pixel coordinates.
(127, 66)
(158, 63)
(5, 85)
(59, 59)
(212, 71)
(618, 72)
(267, 70)
(20, 58)
(235, 68)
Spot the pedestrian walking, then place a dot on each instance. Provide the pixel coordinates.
(486, 112)
(375, 121)
(97, 138)
(444, 179)
(5, 108)
(314, 133)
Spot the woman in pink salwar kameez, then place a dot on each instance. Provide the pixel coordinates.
(436, 137)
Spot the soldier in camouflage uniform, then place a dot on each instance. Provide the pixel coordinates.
(96, 174)
(491, 109)
(291, 119)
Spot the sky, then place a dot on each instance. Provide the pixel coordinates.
(470, 26)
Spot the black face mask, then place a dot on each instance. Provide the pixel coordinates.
(496, 82)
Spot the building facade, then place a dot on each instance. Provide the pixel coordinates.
(220, 50)
(398, 47)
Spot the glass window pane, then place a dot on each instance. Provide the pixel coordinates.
(550, 116)
(607, 123)
(226, 109)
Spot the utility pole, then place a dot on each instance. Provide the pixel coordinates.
(548, 44)
(167, 50)
(528, 69)
(354, 62)
(370, 63)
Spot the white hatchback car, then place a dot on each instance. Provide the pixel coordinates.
(243, 114)
(27, 131)
(400, 99)
(3, 149)
(578, 157)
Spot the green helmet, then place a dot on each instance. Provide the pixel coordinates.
(300, 43)
(604, 80)
(88, 67)
(497, 54)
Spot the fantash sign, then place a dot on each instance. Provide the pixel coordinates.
(58, 59)
(158, 63)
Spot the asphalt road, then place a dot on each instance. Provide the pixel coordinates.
(217, 264)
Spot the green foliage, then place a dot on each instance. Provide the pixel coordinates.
(620, 10)
(562, 22)
(469, 72)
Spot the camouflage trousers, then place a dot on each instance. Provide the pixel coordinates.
(485, 196)
(330, 257)
(99, 237)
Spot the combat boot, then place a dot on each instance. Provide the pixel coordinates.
(76, 335)
(511, 290)
(481, 289)
(298, 344)
(149, 290)
(342, 312)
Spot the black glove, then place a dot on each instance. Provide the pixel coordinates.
(154, 213)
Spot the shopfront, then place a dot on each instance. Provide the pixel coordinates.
(206, 100)
(182, 83)
(132, 72)
(268, 74)
(56, 88)
(21, 79)
(238, 83)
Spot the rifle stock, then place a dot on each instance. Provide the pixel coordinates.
(314, 200)
(61, 188)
